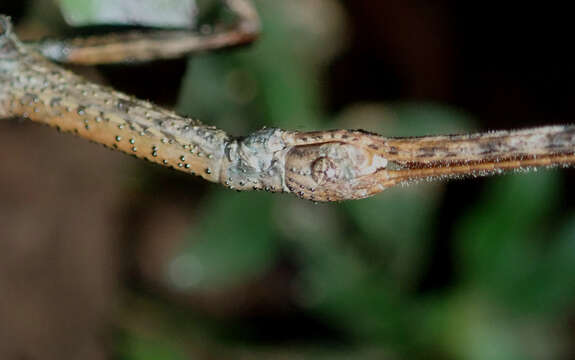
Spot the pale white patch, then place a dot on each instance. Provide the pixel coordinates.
(330, 173)
(379, 162)
(153, 13)
(185, 271)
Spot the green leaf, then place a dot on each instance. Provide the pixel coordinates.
(273, 83)
(232, 243)
(467, 324)
(550, 288)
(153, 13)
(142, 348)
(499, 242)
(428, 118)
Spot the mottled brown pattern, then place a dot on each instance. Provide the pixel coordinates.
(321, 165)
(36, 89)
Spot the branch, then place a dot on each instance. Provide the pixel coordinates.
(321, 166)
(146, 46)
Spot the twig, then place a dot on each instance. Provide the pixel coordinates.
(321, 166)
(155, 45)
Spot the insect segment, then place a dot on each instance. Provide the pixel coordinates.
(320, 166)
(34, 88)
(333, 165)
(480, 154)
(255, 162)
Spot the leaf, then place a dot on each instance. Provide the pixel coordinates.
(275, 83)
(466, 324)
(137, 347)
(499, 242)
(152, 13)
(232, 244)
(550, 287)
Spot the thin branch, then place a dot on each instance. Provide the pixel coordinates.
(155, 45)
(321, 166)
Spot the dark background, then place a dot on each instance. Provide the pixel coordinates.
(106, 257)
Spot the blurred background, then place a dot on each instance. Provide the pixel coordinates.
(106, 257)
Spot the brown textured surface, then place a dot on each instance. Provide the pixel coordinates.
(59, 216)
(352, 164)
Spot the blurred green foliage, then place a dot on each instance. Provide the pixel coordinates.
(360, 264)
(142, 348)
(219, 245)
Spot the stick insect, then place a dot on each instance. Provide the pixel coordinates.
(320, 166)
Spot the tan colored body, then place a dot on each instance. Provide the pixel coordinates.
(321, 166)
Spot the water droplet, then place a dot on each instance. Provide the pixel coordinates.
(208, 171)
(183, 158)
(118, 138)
(134, 149)
(154, 153)
(132, 141)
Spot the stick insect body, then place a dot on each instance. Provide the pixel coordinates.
(320, 166)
